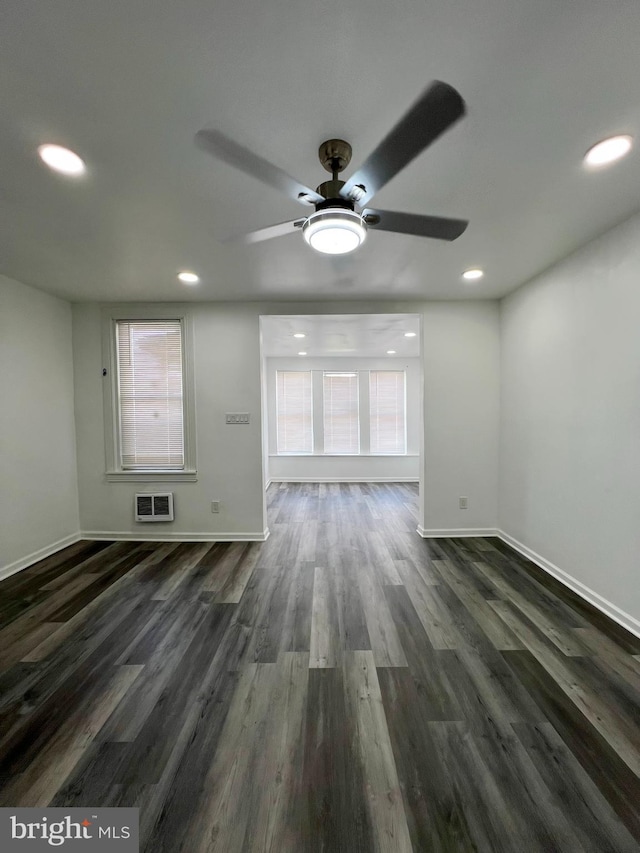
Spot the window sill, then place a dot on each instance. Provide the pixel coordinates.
(342, 455)
(151, 476)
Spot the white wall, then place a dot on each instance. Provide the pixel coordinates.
(460, 415)
(229, 458)
(38, 486)
(461, 352)
(570, 426)
(345, 468)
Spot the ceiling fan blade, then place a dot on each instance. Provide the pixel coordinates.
(231, 152)
(436, 227)
(271, 231)
(435, 111)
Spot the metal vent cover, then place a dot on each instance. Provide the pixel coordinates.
(154, 507)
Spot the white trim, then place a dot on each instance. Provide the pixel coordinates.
(343, 455)
(604, 605)
(151, 476)
(110, 314)
(143, 536)
(36, 556)
(344, 480)
(268, 483)
(456, 532)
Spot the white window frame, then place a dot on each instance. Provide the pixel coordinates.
(114, 471)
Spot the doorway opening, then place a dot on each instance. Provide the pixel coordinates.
(342, 399)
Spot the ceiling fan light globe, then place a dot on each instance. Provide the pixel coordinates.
(335, 231)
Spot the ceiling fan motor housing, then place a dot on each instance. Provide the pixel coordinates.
(330, 191)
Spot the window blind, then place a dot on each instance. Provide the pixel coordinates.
(150, 393)
(341, 416)
(294, 413)
(387, 412)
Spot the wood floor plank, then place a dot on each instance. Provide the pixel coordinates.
(388, 820)
(538, 823)
(231, 797)
(594, 821)
(582, 611)
(59, 754)
(158, 665)
(181, 568)
(296, 625)
(613, 657)
(490, 825)
(476, 604)
(97, 558)
(624, 739)
(335, 813)
(434, 616)
(264, 644)
(460, 563)
(275, 825)
(326, 649)
(352, 622)
(566, 640)
(235, 582)
(619, 785)
(437, 696)
(434, 810)
(376, 554)
(13, 638)
(172, 804)
(385, 643)
(345, 685)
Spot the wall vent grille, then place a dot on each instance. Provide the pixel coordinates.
(154, 507)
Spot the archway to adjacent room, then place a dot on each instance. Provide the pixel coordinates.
(342, 399)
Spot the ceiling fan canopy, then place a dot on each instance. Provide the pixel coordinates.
(341, 219)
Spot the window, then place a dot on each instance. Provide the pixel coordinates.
(148, 395)
(387, 411)
(341, 416)
(294, 414)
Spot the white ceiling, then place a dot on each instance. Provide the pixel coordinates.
(128, 83)
(341, 335)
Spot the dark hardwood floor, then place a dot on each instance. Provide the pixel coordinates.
(345, 686)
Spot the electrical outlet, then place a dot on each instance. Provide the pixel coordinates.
(215, 506)
(463, 503)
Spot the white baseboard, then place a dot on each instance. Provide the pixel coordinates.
(607, 607)
(40, 554)
(344, 480)
(154, 536)
(456, 532)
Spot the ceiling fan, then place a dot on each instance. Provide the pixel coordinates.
(341, 218)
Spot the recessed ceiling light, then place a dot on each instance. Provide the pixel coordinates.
(410, 334)
(391, 352)
(472, 275)
(302, 353)
(188, 277)
(61, 160)
(608, 150)
(299, 335)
